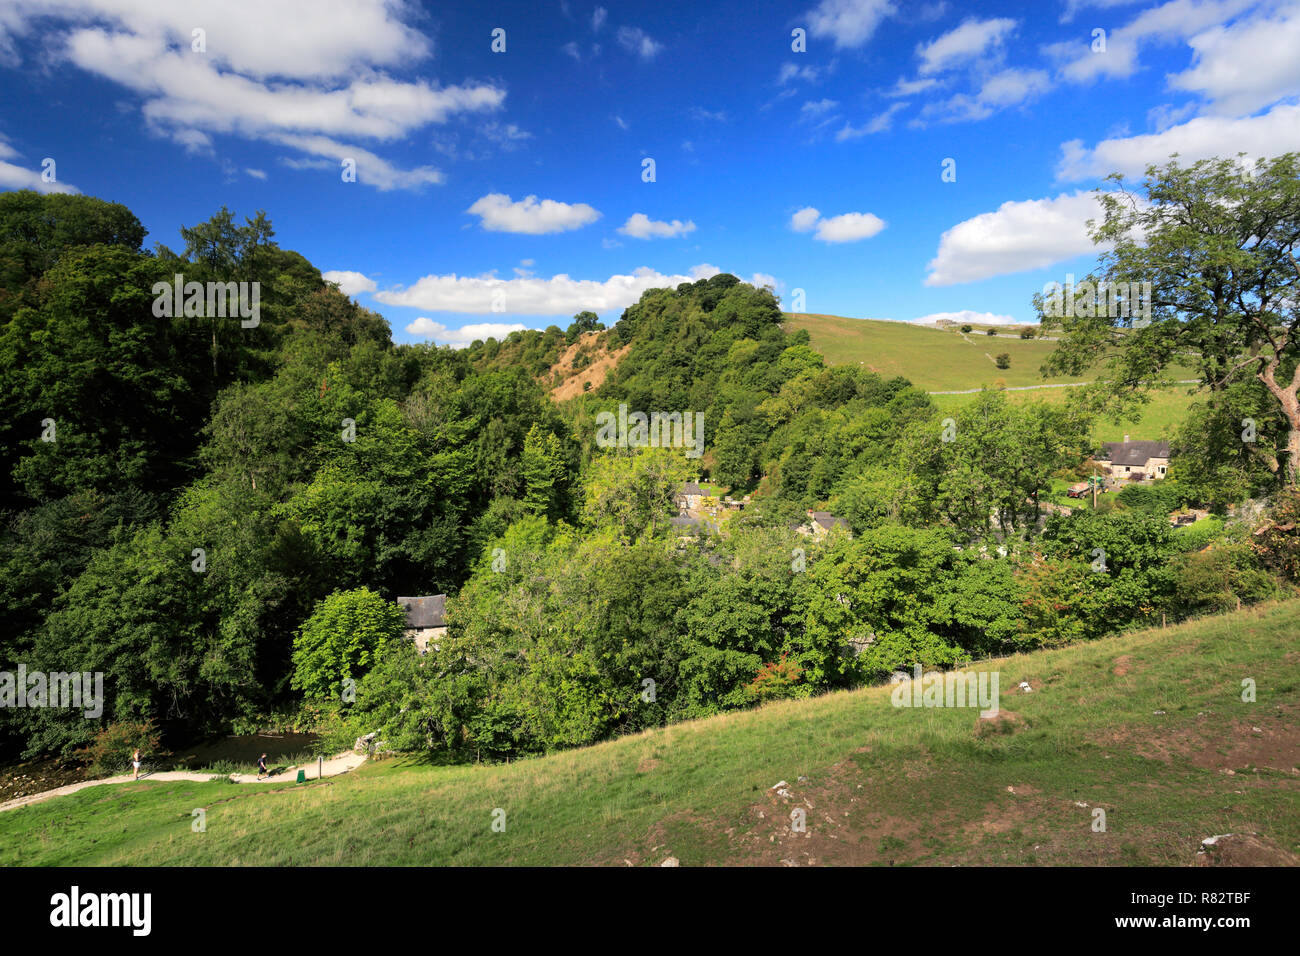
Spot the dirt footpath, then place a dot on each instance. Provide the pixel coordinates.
(331, 768)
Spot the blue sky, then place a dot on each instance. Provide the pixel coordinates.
(817, 170)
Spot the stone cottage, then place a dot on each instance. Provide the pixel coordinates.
(426, 620)
(1136, 460)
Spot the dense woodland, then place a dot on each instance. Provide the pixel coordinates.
(569, 589)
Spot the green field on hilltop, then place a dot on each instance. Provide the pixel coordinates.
(1159, 418)
(1145, 726)
(933, 359)
(941, 360)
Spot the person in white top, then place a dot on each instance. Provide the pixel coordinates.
(135, 763)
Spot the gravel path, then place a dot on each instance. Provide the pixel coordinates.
(331, 768)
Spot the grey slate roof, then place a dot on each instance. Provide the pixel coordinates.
(828, 520)
(1134, 452)
(690, 488)
(429, 610)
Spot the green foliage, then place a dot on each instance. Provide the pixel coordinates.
(582, 322)
(1221, 577)
(1156, 497)
(775, 680)
(110, 751)
(995, 470)
(323, 471)
(633, 493)
(1215, 240)
(341, 638)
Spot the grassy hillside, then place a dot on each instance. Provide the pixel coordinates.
(1158, 419)
(941, 360)
(1149, 727)
(934, 359)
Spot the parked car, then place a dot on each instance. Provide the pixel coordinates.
(1077, 491)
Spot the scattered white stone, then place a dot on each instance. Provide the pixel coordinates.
(1157, 713)
(1024, 685)
(1079, 803)
(1257, 730)
(671, 861)
(1211, 840)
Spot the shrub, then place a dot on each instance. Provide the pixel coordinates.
(1003, 360)
(1026, 333)
(776, 680)
(991, 332)
(110, 751)
(1160, 497)
(1221, 577)
(965, 328)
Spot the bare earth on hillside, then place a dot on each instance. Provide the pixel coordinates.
(571, 383)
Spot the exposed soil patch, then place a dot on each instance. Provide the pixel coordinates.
(1215, 744)
(647, 764)
(1245, 849)
(1003, 722)
(834, 822)
(1123, 665)
(601, 363)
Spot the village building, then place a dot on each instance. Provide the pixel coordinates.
(689, 496)
(426, 620)
(1136, 460)
(821, 523)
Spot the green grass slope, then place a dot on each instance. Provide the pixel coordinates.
(943, 360)
(933, 359)
(1150, 727)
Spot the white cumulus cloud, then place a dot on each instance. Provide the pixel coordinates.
(350, 283)
(309, 76)
(850, 23)
(498, 213)
(1018, 237)
(641, 226)
(847, 227)
(1247, 65)
(971, 40)
(439, 334)
(1269, 134)
(529, 295)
